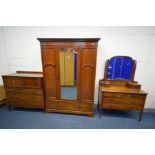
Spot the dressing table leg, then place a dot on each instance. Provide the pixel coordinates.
(98, 104)
(140, 115)
(100, 111)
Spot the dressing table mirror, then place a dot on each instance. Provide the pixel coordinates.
(69, 67)
(120, 68)
(118, 90)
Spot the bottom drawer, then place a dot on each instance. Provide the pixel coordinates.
(86, 107)
(62, 105)
(121, 106)
(123, 101)
(25, 98)
(73, 105)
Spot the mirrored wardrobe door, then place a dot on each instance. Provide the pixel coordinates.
(68, 73)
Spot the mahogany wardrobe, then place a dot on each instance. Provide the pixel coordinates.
(69, 68)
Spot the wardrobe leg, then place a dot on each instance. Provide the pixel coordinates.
(44, 110)
(140, 115)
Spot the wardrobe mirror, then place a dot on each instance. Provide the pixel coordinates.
(120, 68)
(68, 73)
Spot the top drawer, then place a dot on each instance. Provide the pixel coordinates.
(22, 82)
(123, 95)
(35, 83)
(124, 98)
(13, 82)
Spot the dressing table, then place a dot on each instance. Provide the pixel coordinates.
(118, 90)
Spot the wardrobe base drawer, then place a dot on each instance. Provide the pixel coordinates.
(70, 107)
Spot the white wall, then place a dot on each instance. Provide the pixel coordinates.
(3, 56)
(19, 49)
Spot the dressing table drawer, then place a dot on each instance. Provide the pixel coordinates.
(120, 106)
(123, 101)
(124, 96)
(114, 95)
(120, 95)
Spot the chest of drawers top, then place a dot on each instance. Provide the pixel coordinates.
(35, 75)
(23, 80)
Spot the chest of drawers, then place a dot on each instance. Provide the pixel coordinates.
(24, 90)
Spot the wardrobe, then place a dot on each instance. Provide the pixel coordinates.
(77, 96)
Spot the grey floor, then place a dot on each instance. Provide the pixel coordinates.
(20, 118)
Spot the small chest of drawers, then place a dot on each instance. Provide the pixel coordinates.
(24, 90)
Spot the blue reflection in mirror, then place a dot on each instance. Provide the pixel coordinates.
(120, 68)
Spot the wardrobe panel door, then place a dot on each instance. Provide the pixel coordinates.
(50, 82)
(88, 68)
(49, 56)
(50, 73)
